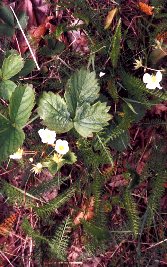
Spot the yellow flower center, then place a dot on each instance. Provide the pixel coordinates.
(57, 158)
(61, 148)
(153, 78)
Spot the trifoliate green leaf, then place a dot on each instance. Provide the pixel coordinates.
(21, 104)
(29, 66)
(11, 138)
(53, 110)
(6, 30)
(90, 119)
(82, 87)
(6, 89)
(70, 158)
(11, 66)
(6, 15)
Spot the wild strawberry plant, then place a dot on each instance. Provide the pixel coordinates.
(79, 135)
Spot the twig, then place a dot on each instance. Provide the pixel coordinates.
(120, 244)
(64, 63)
(157, 244)
(3, 255)
(31, 243)
(34, 58)
(18, 45)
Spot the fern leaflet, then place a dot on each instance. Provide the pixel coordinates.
(60, 241)
(48, 208)
(132, 213)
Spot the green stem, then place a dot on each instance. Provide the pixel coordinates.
(30, 121)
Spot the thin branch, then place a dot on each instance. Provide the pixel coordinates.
(34, 58)
(156, 244)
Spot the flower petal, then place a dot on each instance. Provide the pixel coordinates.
(151, 85)
(101, 74)
(47, 136)
(61, 146)
(146, 78)
(158, 76)
(159, 86)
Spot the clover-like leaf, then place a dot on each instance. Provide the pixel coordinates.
(6, 89)
(6, 15)
(53, 110)
(6, 30)
(90, 119)
(11, 66)
(29, 66)
(82, 87)
(69, 158)
(11, 138)
(21, 104)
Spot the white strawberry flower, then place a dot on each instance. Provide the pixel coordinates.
(153, 80)
(47, 136)
(61, 146)
(37, 168)
(138, 63)
(17, 155)
(101, 74)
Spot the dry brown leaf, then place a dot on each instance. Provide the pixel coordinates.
(87, 212)
(7, 225)
(148, 10)
(79, 39)
(110, 17)
(38, 32)
(159, 108)
(161, 36)
(36, 11)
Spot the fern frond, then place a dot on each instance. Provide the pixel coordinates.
(48, 185)
(88, 155)
(120, 129)
(139, 92)
(17, 195)
(97, 188)
(156, 168)
(160, 95)
(60, 241)
(154, 198)
(56, 203)
(136, 88)
(132, 213)
(33, 233)
(99, 219)
(105, 152)
(96, 230)
(93, 153)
